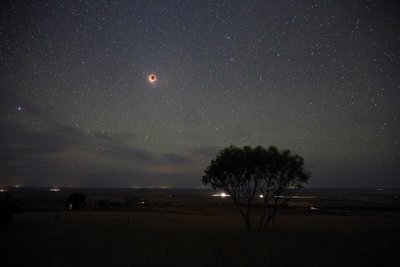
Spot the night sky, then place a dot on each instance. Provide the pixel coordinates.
(321, 78)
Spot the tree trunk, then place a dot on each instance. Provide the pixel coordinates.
(248, 225)
(263, 215)
(246, 217)
(271, 216)
(262, 219)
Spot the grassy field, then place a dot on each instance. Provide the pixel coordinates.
(194, 234)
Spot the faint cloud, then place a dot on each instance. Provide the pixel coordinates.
(124, 153)
(177, 158)
(205, 151)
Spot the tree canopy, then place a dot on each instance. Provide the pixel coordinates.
(246, 172)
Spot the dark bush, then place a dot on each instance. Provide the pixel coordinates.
(8, 208)
(75, 201)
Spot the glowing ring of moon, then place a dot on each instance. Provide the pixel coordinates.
(152, 78)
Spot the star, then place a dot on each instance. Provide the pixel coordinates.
(125, 88)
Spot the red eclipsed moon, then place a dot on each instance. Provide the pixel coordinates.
(152, 78)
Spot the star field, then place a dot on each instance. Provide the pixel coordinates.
(321, 78)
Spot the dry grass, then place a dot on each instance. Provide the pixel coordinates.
(196, 236)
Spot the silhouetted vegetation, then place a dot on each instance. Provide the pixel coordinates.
(106, 204)
(75, 201)
(246, 172)
(8, 207)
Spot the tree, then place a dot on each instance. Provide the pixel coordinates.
(233, 171)
(76, 201)
(282, 175)
(244, 172)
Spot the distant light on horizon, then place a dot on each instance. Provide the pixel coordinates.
(223, 195)
(55, 189)
(304, 197)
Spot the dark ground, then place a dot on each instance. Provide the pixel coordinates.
(191, 228)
